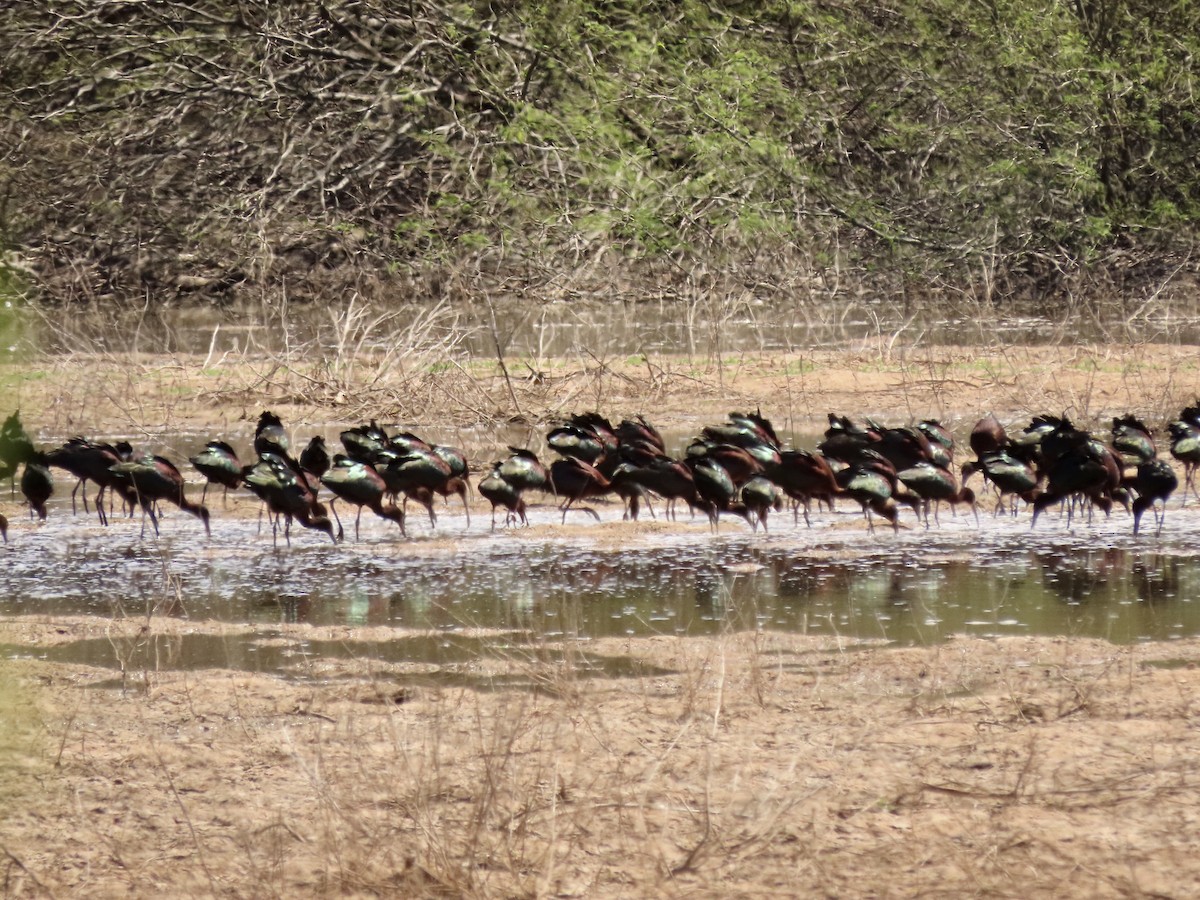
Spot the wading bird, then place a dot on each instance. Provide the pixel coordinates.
(573, 480)
(805, 477)
(37, 485)
(219, 464)
(499, 492)
(760, 496)
(314, 458)
(935, 484)
(1133, 440)
(15, 448)
(270, 436)
(1185, 447)
(279, 483)
(360, 485)
(92, 461)
(155, 478)
(1155, 480)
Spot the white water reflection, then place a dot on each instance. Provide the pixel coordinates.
(915, 587)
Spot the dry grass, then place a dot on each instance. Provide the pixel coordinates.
(151, 396)
(755, 765)
(137, 373)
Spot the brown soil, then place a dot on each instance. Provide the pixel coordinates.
(744, 765)
(747, 765)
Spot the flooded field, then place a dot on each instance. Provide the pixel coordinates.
(594, 708)
(592, 581)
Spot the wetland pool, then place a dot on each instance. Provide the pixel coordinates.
(458, 593)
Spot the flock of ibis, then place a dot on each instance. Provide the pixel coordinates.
(735, 468)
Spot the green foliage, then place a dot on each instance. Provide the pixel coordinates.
(926, 137)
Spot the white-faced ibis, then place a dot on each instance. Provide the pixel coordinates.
(499, 492)
(1029, 444)
(638, 430)
(1115, 471)
(270, 436)
(508, 481)
(1011, 477)
(934, 485)
(1133, 440)
(406, 440)
(1191, 414)
(15, 447)
(748, 431)
(314, 458)
(760, 424)
(805, 477)
(460, 470)
(92, 461)
(573, 480)
(599, 426)
(574, 441)
(903, 447)
(740, 463)
(940, 440)
(281, 484)
(420, 474)
(1185, 447)
(523, 470)
(745, 430)
(666, 477)
(717, 490)
(156, 478)
(364, 442)
(760, 496)
(37, 485)
(1155, 480)
(454, 458)
(987, 436)
(625, 484)
(1077, 465)
(359, 484)
(218, 463)
(872, 481)
(425, 469)
(844, 440)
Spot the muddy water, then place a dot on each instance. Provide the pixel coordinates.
(525, 585)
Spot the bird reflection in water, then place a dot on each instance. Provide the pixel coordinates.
(1075, 577)
(1155, 577)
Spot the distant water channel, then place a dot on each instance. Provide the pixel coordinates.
(541, 329)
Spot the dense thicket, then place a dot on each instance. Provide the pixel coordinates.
(1002, 148)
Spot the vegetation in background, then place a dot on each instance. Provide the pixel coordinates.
(1006, 151)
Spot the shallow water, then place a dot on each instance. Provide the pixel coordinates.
(408, 660)
(592, 330)
(524, 586)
